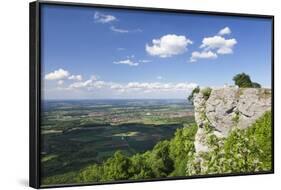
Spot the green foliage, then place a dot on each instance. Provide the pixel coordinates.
(261, 134)
(182, 149)
(160, 161)
(256, 85)
(244, 81)
(236, 117)
(206, 92)
(69, 177)
(91, 173)
(117, 167)
(141, 168)
(246, 150)
(194, 91)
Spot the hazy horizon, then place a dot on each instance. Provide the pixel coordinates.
(182, 99)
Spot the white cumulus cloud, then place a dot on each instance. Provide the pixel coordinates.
(80, 84)
(168, 45)
(92, 84)
(214, 46)
(96, 87)
(202, 55)
(104, 18)
(153, 86)
(57, 75)
(158, 86)
(75, 77)
(219, 44)
(224, 31)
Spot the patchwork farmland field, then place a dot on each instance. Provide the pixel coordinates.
(78, 133)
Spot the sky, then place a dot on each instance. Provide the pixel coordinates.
(104, 53)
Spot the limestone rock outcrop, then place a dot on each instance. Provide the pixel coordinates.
(226, 108)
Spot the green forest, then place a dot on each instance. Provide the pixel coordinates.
(247, 150)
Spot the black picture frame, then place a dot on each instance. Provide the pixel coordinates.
(35, 87)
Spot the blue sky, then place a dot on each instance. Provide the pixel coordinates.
(92, 53)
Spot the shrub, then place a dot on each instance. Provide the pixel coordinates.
(182, 149)
(244, 150)
(256, 85)
(91, 173)
(206, 92)
(117, 167)
(140, 168)
(244, 81)
(194, 91)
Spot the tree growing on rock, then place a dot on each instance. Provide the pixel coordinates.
(256, 85)
(243, 80)
(194, 91)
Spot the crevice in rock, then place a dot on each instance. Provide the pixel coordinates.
(230, 110)
(248, 116)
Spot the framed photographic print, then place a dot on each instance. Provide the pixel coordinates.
(131, 94)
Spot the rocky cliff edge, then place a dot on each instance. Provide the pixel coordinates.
(226, 108)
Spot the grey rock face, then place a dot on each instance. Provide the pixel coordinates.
(227, 108)
(220, 109)
(200, 142)
(252, 104)
(199, 109)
